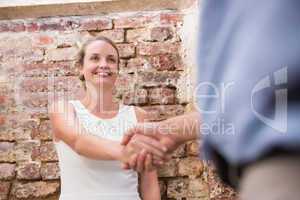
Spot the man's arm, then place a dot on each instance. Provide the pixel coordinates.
(171, 133)
(180, 129)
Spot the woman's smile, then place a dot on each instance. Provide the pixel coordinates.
(103, 74)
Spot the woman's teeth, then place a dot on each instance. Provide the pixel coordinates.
(104, 74)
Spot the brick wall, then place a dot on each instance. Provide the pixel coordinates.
(36, 65)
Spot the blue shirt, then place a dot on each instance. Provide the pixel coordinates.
(249, 77)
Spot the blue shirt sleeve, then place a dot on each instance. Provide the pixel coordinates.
(248, 86)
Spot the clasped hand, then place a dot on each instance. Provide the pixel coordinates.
(146, 147)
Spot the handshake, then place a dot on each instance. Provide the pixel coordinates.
(147, 146)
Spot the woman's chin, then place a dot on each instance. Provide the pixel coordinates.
(104, 82)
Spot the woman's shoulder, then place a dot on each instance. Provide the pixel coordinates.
(59, 112)
(60, 107)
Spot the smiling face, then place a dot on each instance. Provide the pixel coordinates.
(100, 64)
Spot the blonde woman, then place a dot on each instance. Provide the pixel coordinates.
(87, 135)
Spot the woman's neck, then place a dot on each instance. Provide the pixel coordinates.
(100, 101)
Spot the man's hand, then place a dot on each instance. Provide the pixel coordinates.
(141, 147)
(150, 135)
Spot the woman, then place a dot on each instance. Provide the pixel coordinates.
(87, 135)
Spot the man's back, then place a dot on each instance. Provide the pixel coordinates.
(249, 63)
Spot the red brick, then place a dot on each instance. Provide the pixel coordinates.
(171, 18)
(138, 63)
(123, 84)
(162, 62)
(2, 120)
(167, 62)
(116, 35)
(14, 42)
(6, 136)
(51, 24)
(126, 50)
(7, 171)
(61, 54)
(50, 171)
(22, 133)
(24, 150)
(191, 166)
(17, 127)
(160, 34)
(66, 39)
(49, 69)
(169, 169)
(30, 124)
(44, 131)
(18, 49)
(12, 26)
(35, 66)
(4, 189)
(29, 171)
(71, 23)
(179, 152)
(158, 48)
(43, 40)
(6, 131)
(177, 188)
(95, 23)
(136, 35)
(153, 79)
(158, 113)
(17, 27)
(136, 97)
(7, 153)
(2, 99)
(35, 102)
(193, 148)
(162, 96)
(154, 34)
(46, 152)
(125, 80)
(134, 21)
(4, 26)
(59, 23)
(198, 188)
(50, 84)
(34, 189)
(31, 26)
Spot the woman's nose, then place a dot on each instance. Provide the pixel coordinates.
(103, 63)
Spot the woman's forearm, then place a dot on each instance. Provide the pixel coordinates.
(150, 186)
(98, 148)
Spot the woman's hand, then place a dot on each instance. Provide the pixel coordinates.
(140, 149)
(145, 137)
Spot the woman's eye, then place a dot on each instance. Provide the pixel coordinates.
(94, 58)
(112, 60)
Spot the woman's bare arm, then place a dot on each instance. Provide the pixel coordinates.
(149, 185)
(67, 128)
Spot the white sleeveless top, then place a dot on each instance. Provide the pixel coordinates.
(84, 178)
